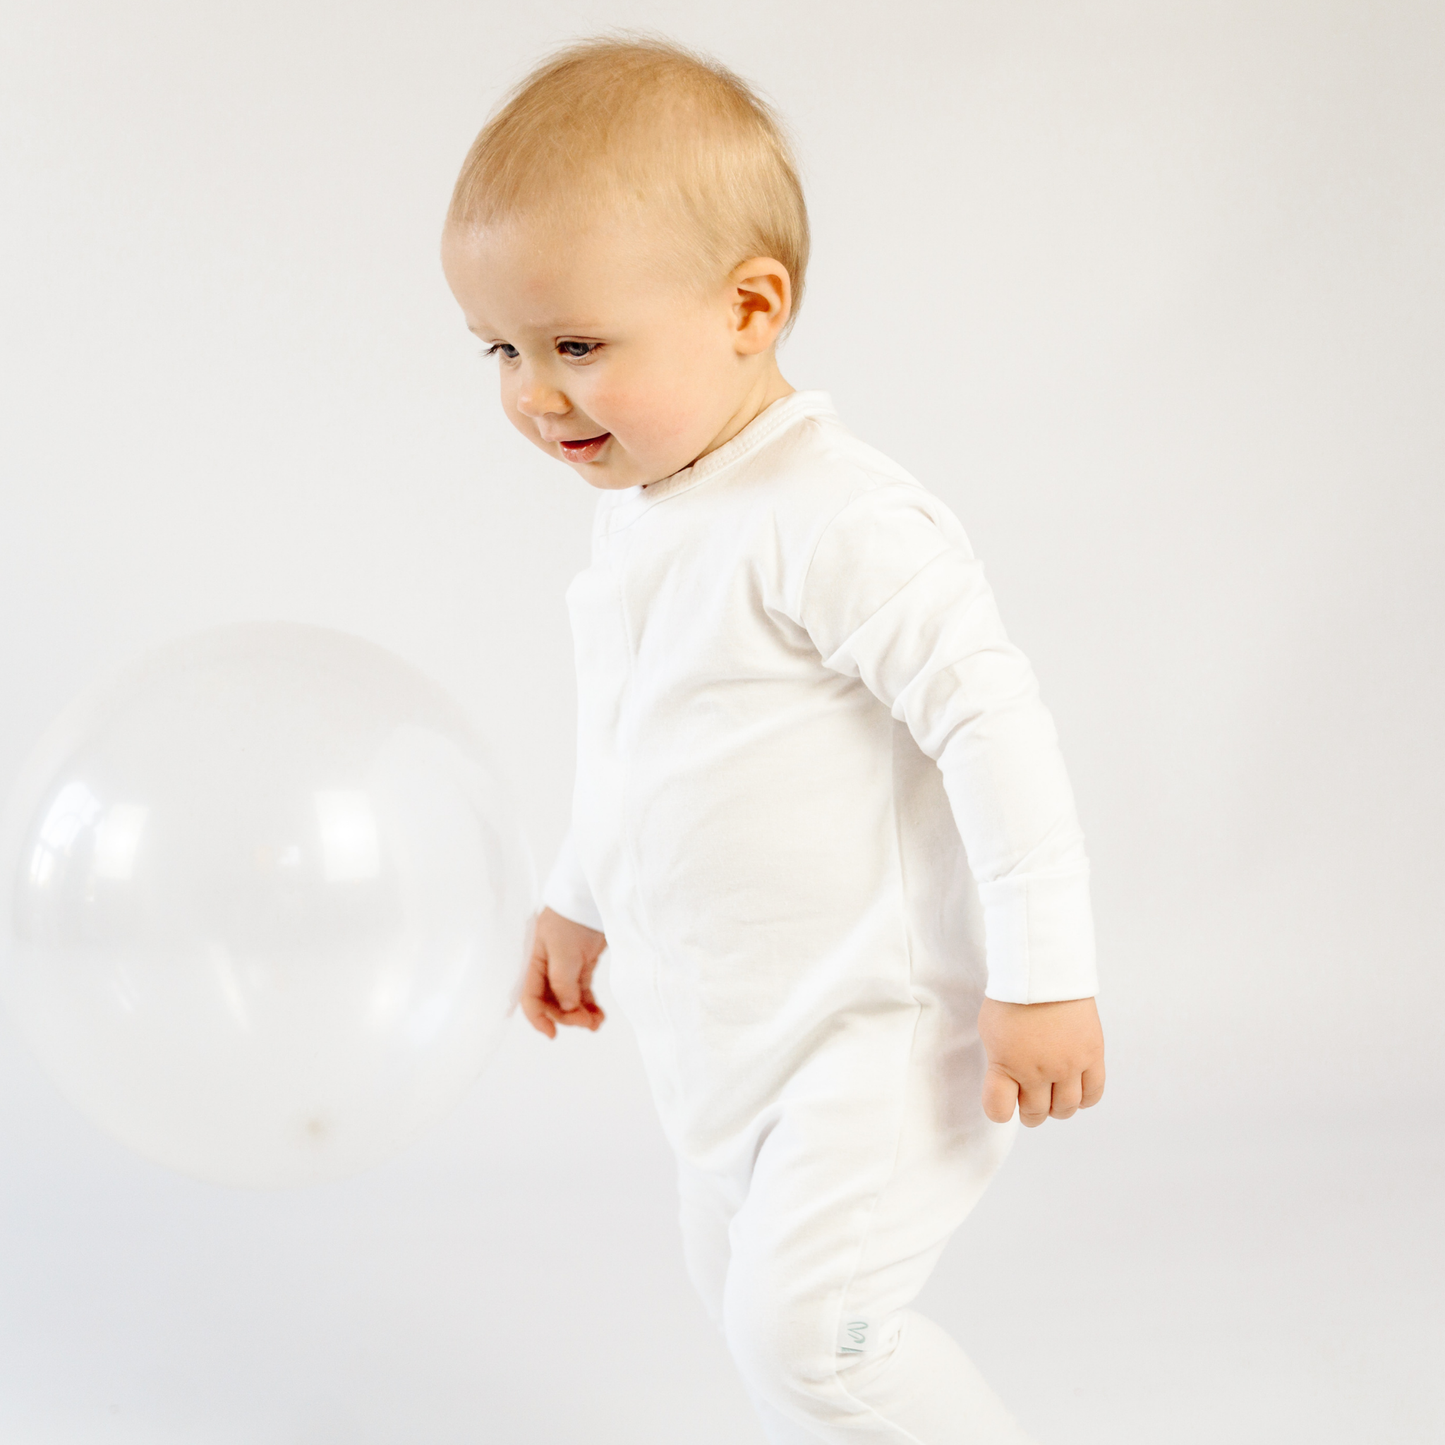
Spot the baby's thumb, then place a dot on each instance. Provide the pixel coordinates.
(566, 980)
(1000, 1095)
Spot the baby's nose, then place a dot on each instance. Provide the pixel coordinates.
(537, 399)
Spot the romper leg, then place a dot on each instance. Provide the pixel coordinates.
(931, 1355)
(706, 1206)
(848, 1207)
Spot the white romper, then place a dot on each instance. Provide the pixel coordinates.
(819, 809)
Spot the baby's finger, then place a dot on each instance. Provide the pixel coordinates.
(1093, 1085)
(594, 1010)
(538, 1013)
(532, 996)
(531, 950)
(1000, 1094)
(582, 1018)
(1034, 1102)
(1066, 1096)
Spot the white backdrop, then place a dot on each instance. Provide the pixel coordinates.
(1154, 296)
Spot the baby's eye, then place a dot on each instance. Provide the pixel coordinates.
(588, 347)
(505, 347)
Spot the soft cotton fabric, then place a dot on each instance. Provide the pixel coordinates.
(820, 809)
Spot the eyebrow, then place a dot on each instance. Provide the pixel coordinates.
(551, 328)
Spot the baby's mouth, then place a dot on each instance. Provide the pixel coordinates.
(585, 449)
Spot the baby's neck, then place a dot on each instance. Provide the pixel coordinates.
(767, 387)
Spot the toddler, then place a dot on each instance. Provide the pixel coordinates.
(821, 824)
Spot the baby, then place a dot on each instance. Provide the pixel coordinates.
(821, 824)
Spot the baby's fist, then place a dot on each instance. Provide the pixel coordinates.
(1048, 1058)
(557, 986)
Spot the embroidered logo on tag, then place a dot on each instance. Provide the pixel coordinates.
(853, 1336)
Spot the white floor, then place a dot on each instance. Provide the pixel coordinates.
(516, 1279)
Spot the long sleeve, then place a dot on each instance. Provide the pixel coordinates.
(566, 891)
(894, 596)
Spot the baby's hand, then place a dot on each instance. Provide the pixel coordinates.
(557, 987)
(1048, 1058)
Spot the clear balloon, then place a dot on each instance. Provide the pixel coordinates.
(263, 904)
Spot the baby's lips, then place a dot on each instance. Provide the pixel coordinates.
(585, 449)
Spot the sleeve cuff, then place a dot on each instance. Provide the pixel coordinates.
(566, 891)
(1039, 931)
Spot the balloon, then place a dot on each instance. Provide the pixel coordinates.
(263, 904)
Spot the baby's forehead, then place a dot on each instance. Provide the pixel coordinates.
(567, 276)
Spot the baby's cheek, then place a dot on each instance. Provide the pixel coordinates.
(637, 416)
(661, 418)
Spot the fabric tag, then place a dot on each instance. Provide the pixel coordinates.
(855, 1335)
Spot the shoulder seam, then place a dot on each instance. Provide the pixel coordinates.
(878, 480)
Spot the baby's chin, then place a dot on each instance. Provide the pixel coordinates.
(612, 471)
(610, 467)
(604, 462)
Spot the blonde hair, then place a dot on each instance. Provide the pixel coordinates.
(633, 122)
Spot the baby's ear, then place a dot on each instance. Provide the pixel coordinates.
(762, 299)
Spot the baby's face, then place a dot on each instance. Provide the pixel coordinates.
(592, 344)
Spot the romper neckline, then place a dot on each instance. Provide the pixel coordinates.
(625, 506)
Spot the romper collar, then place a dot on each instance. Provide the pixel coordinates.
(628, 504)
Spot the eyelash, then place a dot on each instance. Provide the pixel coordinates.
(592, 347)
